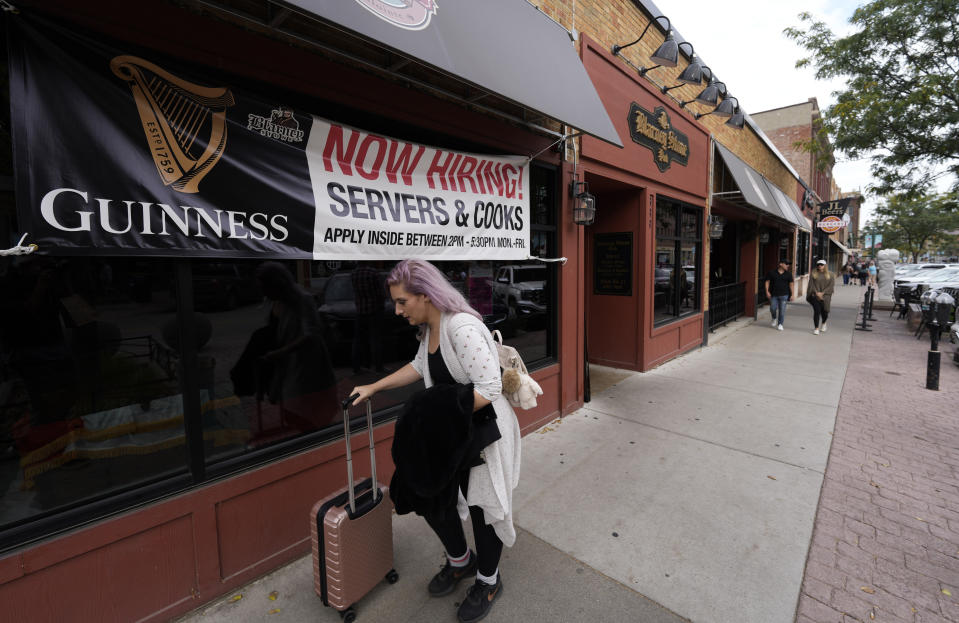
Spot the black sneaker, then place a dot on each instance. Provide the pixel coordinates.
(479, 600)
(444, 582)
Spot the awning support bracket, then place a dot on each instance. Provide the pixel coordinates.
(561, 139)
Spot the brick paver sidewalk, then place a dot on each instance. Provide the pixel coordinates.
(886, 538)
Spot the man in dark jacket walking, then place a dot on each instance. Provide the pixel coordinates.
(779, 290)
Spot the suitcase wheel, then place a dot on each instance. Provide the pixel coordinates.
(392, 577)
(348, 615)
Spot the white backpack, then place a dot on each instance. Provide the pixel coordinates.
(518, 386)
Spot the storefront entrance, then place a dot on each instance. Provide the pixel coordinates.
(614, 265)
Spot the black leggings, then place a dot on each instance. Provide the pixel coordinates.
(818, 309)
(450, 531)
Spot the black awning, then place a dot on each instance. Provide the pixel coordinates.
(506, 47)
(753, 189)
(788, 206)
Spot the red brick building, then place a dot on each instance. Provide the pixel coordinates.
(789, 127)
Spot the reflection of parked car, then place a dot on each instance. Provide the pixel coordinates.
(224, 285)
(521, 288)
(661, 277)
(337, 308)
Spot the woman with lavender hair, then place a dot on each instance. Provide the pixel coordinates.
(457, 348)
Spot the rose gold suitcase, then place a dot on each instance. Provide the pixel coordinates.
(352, 533)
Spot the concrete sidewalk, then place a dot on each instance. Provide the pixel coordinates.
(686, 493)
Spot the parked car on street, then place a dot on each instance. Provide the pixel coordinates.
(921, 273)
(521, 288)
(945, 278)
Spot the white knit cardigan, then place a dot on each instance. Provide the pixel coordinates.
(470, 355)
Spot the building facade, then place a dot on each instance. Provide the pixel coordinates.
(789, 128)
(141, 454)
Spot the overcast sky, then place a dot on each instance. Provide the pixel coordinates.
(743, 42)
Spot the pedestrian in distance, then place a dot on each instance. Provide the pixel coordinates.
(846, 273)
(457, 348)
(862, 271)
(780, 289)
(871, 279)
(819, 294)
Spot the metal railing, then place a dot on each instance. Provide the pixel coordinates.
(726, 303)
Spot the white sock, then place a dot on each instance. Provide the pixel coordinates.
(459, 561)
(491, 580)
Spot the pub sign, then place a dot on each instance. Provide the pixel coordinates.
(834, 208)
(654, 130)
(832, 215)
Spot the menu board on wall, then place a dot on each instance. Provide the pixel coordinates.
(613, 264)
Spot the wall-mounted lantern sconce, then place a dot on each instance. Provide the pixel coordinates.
(764, 237)
(710, 95)
(693, 74)
(716, 225)
(738, 119)
(666, 55)
(584, 204)
(725, 108)
(616, 48)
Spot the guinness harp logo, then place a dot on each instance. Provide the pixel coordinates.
(185, 123)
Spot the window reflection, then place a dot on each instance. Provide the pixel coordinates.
(676, 266)
(268, 360)
(90, 397)
(802, 253)
(91, 364)
(276, 366)
(665, 222)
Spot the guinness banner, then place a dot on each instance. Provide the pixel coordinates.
(120, 152)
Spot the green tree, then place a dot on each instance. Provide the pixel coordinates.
(911, 223)
(900, 102)
(947, 245)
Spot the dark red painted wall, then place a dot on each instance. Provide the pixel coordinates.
(618, 88)
(615, 343)
(615, 322)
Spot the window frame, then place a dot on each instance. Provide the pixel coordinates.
(679, 239)
(802, 253)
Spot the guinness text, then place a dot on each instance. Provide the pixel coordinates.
(68, 209)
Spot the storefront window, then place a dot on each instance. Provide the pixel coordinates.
(351, 336)
(802, 253)
(819, 243)
(93, 378)
(90, 395)
(677, 260)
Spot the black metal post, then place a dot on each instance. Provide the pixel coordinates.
(871, 293)
(189, 385)
(865, 312)
(934, 357)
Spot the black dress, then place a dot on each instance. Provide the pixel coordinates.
(485, 430)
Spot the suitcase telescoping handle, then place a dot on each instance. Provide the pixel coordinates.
(349, 453)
